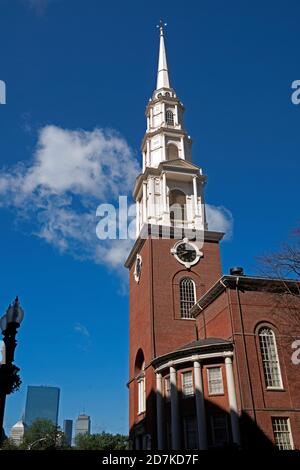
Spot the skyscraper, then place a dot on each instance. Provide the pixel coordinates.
(68, 426)
(41, 403)
(83, 425)
(17, 432)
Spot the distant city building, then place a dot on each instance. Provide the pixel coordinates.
(41, 403)
(83, 425)
(17, 432)
(68, 426)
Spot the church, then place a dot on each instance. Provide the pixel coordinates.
(210, 353)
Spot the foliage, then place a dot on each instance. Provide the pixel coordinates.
(8, 444)
(9, 378)
(43, 434)
(283, 267)
(284, 263)
(103, 441)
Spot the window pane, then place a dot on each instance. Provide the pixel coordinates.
(187, 383)
(190, 433)
(282, 433)
(219, 429)
(215, 381)
(170, 117)
(187, 297)
(270, 360)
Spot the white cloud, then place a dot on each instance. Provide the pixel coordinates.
(82, 330)
(71, 173)
(219, 219)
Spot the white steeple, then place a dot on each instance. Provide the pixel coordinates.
(168, 175)
(162, 72)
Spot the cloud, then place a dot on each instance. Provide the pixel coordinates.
(219, 219)
(57, 193)
(82, 330)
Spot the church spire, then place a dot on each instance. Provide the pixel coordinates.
(162, 73)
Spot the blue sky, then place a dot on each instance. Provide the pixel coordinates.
(73, 67)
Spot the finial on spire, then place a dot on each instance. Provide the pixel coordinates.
(162, 74)
(161, 26)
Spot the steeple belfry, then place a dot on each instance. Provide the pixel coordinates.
(168, 175)
(162, 72)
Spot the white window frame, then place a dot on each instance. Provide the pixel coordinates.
(210, 391)
(270, 361)
(288, 432)
(141, 394)
(184, 301)
(183, 385)
(170, 122)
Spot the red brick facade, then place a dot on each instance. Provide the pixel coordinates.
(226, 322)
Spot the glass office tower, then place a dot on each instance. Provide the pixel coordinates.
(41, 403)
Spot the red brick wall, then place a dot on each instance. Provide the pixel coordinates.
(239, 315)
(155, 325)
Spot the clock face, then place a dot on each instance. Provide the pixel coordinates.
(186, 252)
(137, 268)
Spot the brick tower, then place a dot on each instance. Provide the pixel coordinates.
(174, 252)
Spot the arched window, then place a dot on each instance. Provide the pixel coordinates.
(169, 117)
(268, 349)
(187, 296)
(172, 152)
(141, 381)
(177, 203)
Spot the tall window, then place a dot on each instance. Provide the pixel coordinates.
(215, 381)
(268, 348)
(190, 433)
(177, 203)
(187, 383)
(141, 381)
(142, 392)
(170, 117)
(219, 429)
(187, 297)
(282, 433)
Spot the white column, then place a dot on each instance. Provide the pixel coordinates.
(176, 115)
(159, 412)
(151, 208)
(234, 417)
(148, 123)
(148, 154)
(163, 107)
(174, 411)
(182, 148)
(137, 220)
(195, 195)
(151, 118)
(164, 154)
(145, 217)
(200, 408)
(164, 191)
